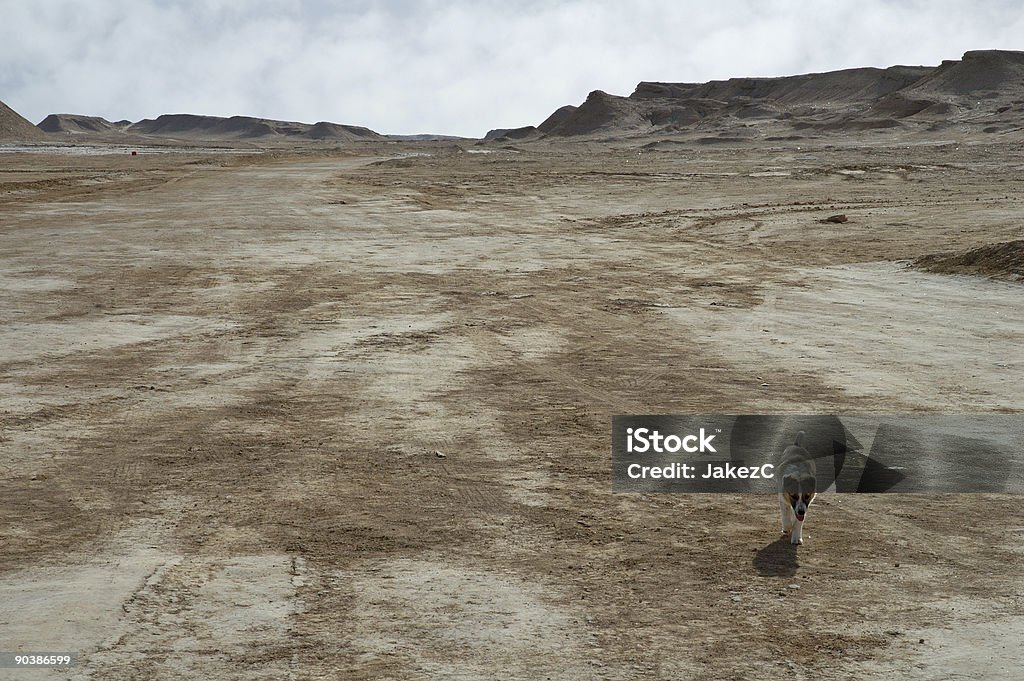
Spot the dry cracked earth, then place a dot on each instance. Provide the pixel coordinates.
(346, 415)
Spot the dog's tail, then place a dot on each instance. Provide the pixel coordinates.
(799, 439)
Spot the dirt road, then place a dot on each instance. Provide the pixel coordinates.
(318, 416)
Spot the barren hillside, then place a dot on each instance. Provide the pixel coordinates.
(15, 128)
(983, 91)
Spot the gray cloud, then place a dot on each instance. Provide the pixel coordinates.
(457, 67)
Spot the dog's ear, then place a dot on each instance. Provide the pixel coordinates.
(799, 442)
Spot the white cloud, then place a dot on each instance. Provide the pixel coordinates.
(458, 67)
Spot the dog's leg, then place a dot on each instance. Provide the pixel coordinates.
(797, 537)
(788, 517)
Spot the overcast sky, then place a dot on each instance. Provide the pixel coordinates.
(458, 67)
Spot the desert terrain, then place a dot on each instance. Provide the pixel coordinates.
(345, 414)
(342, 409)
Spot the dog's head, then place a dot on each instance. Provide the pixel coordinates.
(799, 492)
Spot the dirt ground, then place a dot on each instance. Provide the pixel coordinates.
(347, 415)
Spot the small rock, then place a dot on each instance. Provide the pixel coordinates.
(920, 640)
(840, 218)
(439, 455)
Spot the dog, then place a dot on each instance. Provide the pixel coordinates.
(796, 488)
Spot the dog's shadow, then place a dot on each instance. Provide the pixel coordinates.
(777, 559)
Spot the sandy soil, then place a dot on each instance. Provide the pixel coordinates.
(314, 416)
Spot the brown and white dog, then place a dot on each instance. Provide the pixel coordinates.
(797, 483)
